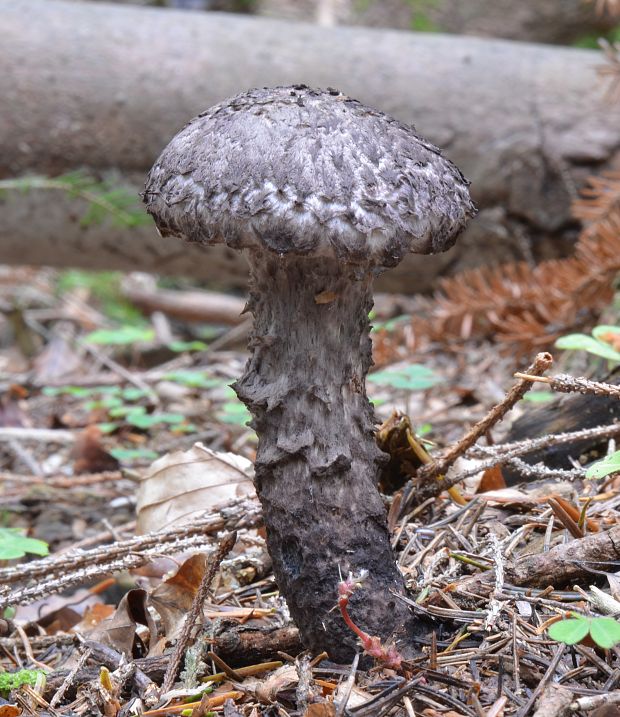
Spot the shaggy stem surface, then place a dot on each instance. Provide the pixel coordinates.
(317, 462)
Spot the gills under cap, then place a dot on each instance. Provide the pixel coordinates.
(308, 172)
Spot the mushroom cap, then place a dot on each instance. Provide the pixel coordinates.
(309, 172)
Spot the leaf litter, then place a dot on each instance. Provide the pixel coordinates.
(138, 437)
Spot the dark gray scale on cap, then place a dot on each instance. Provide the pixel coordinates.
(307, 172)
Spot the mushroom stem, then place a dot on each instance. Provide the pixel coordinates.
(317, 462)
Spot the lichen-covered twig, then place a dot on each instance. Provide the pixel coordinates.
(503, 453)
(225, 546)
(541, 364)
(563, 383)
(57, 573)
(425, 486)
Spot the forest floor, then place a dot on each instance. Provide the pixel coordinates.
(115, 424)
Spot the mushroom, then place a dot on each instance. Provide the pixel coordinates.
(321, 193)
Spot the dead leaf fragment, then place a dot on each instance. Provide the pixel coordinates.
(174, 597)
(183, 484)
(10, 711)
(57, 359)
(119, 630)
(322, 709)
(492, 479)
(325, 297)
(89, 455)
(267, 690)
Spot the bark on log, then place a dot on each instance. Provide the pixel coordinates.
(202, 306)
(552, 21)
(80, 87)
(568, 562)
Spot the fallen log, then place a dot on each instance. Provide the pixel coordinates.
(552, 21)
(201, 306)
(568, 562)
(81, 88)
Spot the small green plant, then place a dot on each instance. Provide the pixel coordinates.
(543, 396)
(120, 336)
(149, 420)
(120, 406)
(391, 324)
(14, 680)
(605, 467)
(105, 288)
(194, 379)
(129, 455)
(104, 199)
(181, 346)
(14, 544)
(415, 377)
(233, 411)
(605, 631)
(79, 391)
(601, 343)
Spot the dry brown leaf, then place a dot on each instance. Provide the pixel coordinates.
(174, 597)
(322, 709)
(119, 630)
(94, 616)
(89, 455)
(55, 361)
(267, 690)
(325, 297)
(356, 698)
(182, 484)
(510, 496)
(492, 479)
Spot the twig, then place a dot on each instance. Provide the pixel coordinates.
(503, 453)
(64, 481)
(348, 687)
(591, 702)
(539, 470)
(424, 485)
(119, 370)
(55, 574)
(25, 457)
(567, 562)
(72, 578)
(543, 683)
(28, 649)
(555, 701)
(239, 513)
(495, 605)
(225, 546)
(113, 659)
(541, 364)
(46, 435)
(104, 359)
(204, 306)
(564, 383)
(60, 692)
